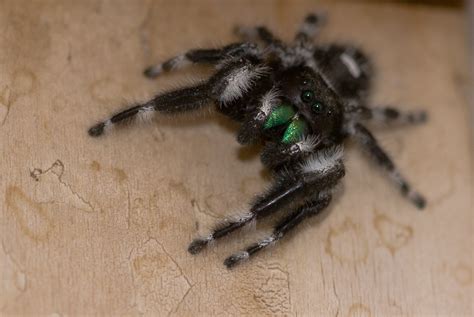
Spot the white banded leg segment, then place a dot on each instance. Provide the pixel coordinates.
(175, 101)
(200, 243)
(406, 189)
(239, 81)
(281, 229)
(323, 160)
(392, 115)
(212, 56)
(285, 191)
(223, 229)
(368, 141)
(174, 63)
(146, 114)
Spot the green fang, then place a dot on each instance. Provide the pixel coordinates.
(295, 131)
(280, 115)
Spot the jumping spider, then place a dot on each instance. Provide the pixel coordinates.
(301, 101)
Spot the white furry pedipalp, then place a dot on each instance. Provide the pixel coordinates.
(270, 100)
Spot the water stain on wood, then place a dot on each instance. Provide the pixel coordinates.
(359, 310)
(462, 273)
(394, 235)
(95, 166)
(32, 218)
(152, 267)
(23, 83)
(179, 187)
(56, 188)
(347, 243)
(120, 174)
(14, 279)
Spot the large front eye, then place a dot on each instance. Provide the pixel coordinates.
(318, 107)
(307, 96)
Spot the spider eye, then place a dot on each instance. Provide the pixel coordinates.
(318, 107)
(307, 95)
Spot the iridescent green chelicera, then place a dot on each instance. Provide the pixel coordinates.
(280, 115)
(295, 131)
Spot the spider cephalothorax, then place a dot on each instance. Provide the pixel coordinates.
(301, 101)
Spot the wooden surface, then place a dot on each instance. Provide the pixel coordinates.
(101, 226)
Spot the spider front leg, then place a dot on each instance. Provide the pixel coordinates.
(230, 83)
(322, 171)
(181, 100)
(202, 56)
(368, 141)
(281, 229)
(390, 115)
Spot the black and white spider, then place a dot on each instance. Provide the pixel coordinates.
(301, 101)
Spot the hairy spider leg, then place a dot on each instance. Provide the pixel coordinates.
(258, 33)
(310, 27)
(281, 229)
(202, 56)
(389, 115)
(227, 85)
(181, 100)
(368, 141)
(279, 195)
(320, 172)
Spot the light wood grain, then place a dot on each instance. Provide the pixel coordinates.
(101, 226)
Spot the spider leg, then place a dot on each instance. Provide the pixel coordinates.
(261, 33)
(389, 115)
(280, 230)
(368, 141)
(229, 84)
(321, 172)
(180, 100)
(201, 56)
(310, 27)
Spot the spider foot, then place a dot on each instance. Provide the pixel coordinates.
(199, 244)
(153, 71)
(236, 258)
